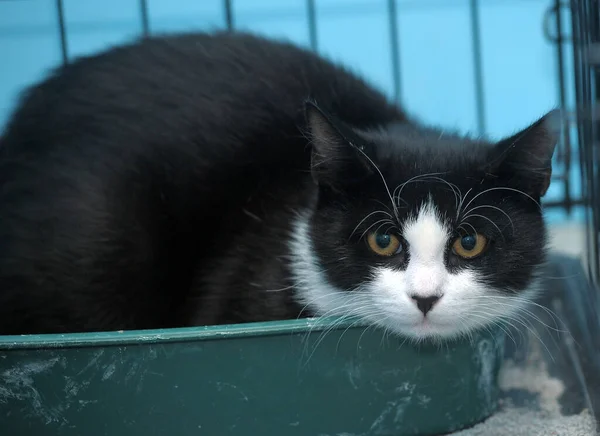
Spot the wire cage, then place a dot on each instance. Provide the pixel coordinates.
(554, 25)
(573, 29)
(566, 165)
(585, 19)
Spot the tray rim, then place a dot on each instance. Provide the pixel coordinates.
(219, 332)
(181, 334)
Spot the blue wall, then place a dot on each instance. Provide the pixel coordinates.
(437, 77)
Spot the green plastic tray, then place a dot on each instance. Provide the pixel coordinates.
(302, 377)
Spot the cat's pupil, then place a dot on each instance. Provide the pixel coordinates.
(468, 242)
(383, 240)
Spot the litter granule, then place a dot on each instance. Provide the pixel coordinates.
(547, 419)
(522, 422)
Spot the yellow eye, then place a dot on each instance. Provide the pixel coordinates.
(384, 244)
(469, 246)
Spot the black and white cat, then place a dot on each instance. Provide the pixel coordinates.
(207, 179)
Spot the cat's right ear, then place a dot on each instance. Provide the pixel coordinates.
(339, 156)
(525, 159)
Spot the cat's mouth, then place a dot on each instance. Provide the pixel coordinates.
(418, 327)
(426, 327)
(426, 324)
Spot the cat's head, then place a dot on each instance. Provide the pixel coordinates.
(423, 233)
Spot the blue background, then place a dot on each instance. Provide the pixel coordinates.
(437, 67)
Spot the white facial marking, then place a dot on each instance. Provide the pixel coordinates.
(312, 287)
(427, 238)
(465, 301)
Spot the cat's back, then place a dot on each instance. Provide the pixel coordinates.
(208, 89)
(123, 172)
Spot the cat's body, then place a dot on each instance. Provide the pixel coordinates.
(173, 183)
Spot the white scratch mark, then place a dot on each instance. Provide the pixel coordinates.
(109, 371)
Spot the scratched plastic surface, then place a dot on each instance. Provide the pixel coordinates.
(268, 379)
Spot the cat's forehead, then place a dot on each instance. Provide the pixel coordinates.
(404, 153)
(427, 167)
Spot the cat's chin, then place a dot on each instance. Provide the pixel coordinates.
(426, 329)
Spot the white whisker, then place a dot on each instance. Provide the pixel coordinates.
(367, 217)
(461, 203)
(503, 188)
(394, 208)
(384, 221)
(486, 218)
(495, 208)
(400, 187)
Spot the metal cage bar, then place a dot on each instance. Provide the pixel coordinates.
(144, 17)
(62, 31)
(564, 150)
(594, 174)
(311, 12)
(395, 48)
(477, 65)
(228, 6)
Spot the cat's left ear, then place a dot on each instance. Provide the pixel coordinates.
(525, 159)
(339, 156)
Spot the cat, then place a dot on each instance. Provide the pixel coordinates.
(213, 178)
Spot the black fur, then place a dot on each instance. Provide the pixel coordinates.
(155, 185)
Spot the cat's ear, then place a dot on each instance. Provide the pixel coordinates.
(339, 156)
(525, 159)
